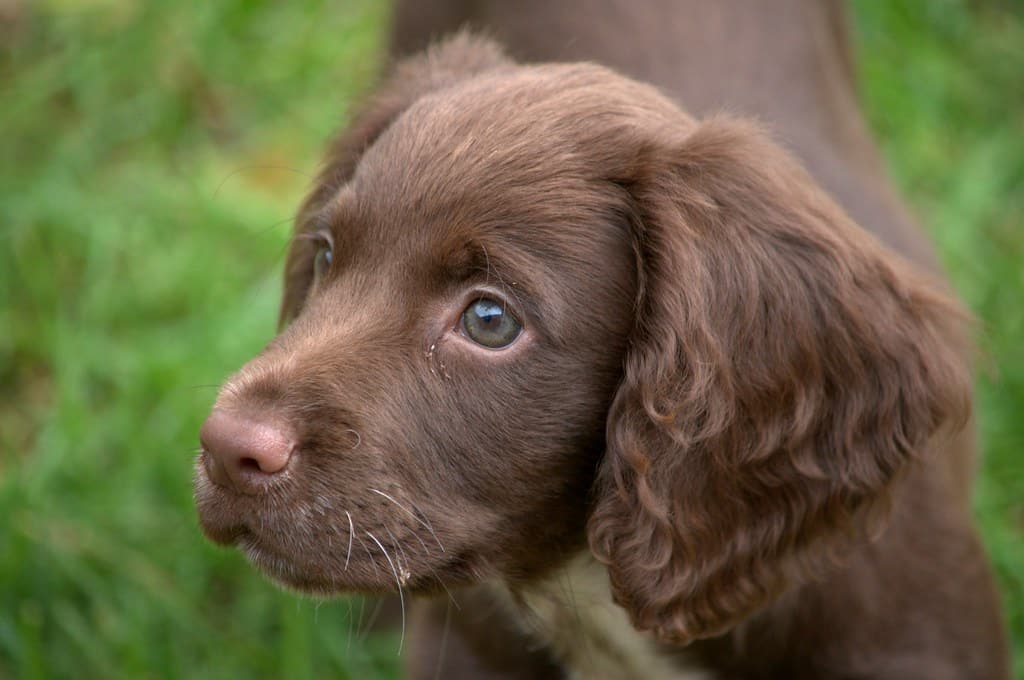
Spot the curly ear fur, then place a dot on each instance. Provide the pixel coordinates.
(783, 370)
(443, 65)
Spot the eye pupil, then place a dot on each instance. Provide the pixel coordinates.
(489, 324)
(490, 315)
(322, 261)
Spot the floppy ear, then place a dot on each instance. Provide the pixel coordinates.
(446, 63)
(783, 370)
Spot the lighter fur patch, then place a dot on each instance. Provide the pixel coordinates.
(573, 612)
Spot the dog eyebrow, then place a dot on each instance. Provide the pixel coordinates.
(497, 265)
(331, 211)
(319, 221)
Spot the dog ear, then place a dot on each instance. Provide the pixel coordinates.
(442, 65)
(783, 370)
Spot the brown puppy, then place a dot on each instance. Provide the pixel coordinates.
(555, 342)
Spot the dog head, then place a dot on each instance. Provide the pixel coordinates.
(528, 307)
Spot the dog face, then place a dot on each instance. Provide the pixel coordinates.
(531, 306)
(466, 298)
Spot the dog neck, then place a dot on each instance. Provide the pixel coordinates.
(571, 610)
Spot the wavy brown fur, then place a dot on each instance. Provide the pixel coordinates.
(782, 371)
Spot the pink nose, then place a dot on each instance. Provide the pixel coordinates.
(243, 453)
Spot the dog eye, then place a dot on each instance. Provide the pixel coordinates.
(322, 260)
(489, 324)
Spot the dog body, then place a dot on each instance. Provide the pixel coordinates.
(623, 383)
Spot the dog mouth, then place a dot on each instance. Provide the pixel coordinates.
(363, 574)
(302, 575)
(313, 572)
(315, 554)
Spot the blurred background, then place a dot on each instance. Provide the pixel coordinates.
(151, 156)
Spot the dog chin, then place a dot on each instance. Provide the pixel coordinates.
(312, 580)
(285, 571)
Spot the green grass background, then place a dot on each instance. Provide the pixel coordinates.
(151, 155)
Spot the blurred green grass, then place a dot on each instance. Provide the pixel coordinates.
(152, 154)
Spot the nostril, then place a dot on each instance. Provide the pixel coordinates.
(268, 466)
(250, 464)
(244, 452)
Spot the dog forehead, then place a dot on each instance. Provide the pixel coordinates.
(536, 126)
(439, 156)
(524, 156)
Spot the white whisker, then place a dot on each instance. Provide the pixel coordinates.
(369, 556)
(403, 569)
(425, 524)
(374, 615)
(442, 648)
(351, 531)
(423, 545)
(401, 596)
(351, 615)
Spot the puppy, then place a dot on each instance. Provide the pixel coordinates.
(626, 385)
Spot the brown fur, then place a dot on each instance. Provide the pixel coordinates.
(723, 386)
(783, 371)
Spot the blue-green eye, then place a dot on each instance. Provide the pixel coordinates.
(322, 260)
(489, 324)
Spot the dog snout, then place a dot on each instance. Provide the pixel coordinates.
(244, 452)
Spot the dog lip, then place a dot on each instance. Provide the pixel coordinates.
(226, 534)
(219, 519)
(279, 565)
(293, 574)
(290, 570)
